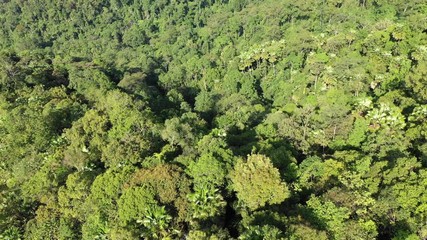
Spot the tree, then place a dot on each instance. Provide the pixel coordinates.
(168, 184)
(257, 182)
(315, 174)
(184, 131)
(206, 202)
(330, 216)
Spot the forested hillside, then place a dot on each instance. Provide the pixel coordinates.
(213, 119)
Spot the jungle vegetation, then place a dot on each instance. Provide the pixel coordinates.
(213, 119)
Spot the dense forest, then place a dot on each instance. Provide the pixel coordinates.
(213, 119)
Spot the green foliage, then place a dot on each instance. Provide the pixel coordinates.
(240, 119)
(330, 216)
(206, 202)
(258, 183)
(358, 133)
(262, 232)
(168, 183)
(138, 205)
(315, 174)
(180, 131)
(207, 170)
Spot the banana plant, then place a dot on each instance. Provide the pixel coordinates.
(155, 222)
(205, 201)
